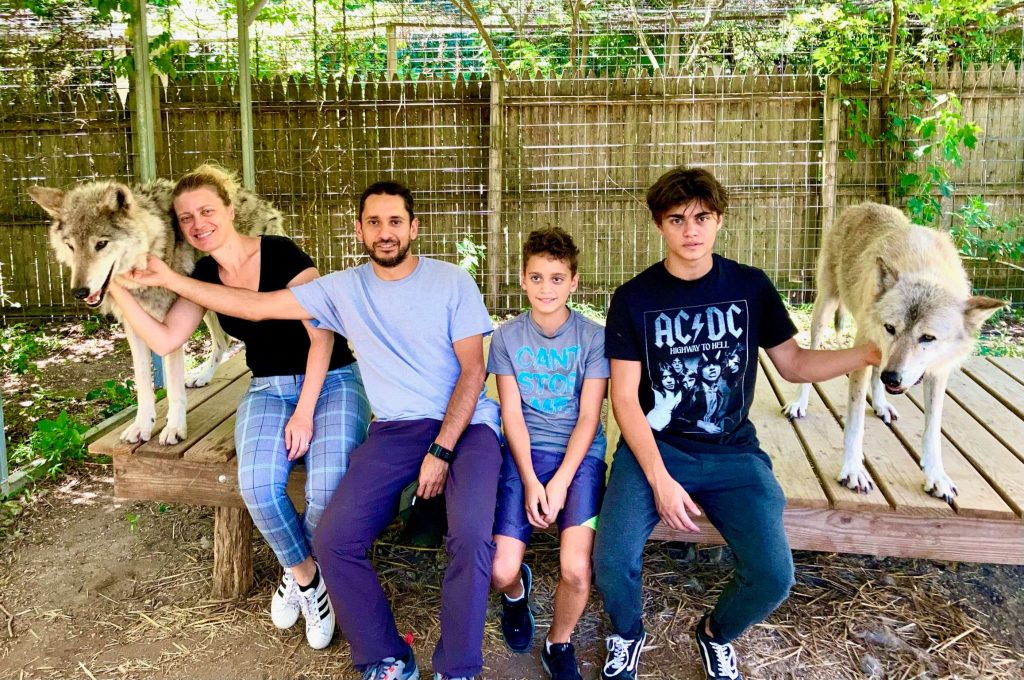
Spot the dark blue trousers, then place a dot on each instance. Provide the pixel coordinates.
(741, 498)
(364, 505)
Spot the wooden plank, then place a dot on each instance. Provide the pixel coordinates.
(989, 411)
(958, 539)
(216, 447)
(201, 421)
(778, 438)
(1014, 366)
(997, 464)
(891, 466)
(997, 383)
(189, 482)
(823, 438)
(227, 372)
(976, 497)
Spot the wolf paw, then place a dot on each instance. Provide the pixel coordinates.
(794, 410)
(887, 412)
(940, 485)
(201, 375)
(138, 432)
(854, 476)
(172, 434)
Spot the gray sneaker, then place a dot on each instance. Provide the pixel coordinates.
(393, 669)
(438, 676)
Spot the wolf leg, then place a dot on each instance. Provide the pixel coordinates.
(141, 428)
(825, 307)
(883, 409)
(854, 475)
(936, 481)
(174, 369)
(204, 372)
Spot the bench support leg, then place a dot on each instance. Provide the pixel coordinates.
(232, 553)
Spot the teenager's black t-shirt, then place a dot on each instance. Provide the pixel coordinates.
(698, 340)
(274, 347)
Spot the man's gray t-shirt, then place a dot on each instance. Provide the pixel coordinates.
(402, 333)
(549, 372)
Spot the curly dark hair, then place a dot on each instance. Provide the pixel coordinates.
(682, 185)
(553, 242)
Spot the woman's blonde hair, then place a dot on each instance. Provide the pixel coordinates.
(222, 181)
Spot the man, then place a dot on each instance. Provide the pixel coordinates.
(417, 326)
(699, 307)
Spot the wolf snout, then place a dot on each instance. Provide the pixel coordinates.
(893, 381)
(80, 293)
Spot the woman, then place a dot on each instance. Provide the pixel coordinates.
(306, 399)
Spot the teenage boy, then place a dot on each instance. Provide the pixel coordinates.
(700, 307)
(552, 375)
(417, 325)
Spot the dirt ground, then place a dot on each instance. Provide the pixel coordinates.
(95, 588)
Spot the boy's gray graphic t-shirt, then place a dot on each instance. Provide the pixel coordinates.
(549, 372)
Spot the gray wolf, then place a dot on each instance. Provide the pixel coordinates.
(102, 230)
(908, 293)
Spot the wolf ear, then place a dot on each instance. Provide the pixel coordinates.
(977, 311)
(116, 198)
(887, 276)
(50, 200)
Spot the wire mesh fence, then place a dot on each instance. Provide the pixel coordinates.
(383, 92)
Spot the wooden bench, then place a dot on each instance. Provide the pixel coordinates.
(983, 448)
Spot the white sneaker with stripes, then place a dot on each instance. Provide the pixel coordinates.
(316, 608)
(284, 606)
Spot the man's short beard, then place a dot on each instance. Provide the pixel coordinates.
(388, 262)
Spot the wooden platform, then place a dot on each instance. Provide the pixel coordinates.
(983, 449)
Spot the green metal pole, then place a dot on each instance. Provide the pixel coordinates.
(145, 145)
(245, 97)
(143, 126)
(5, 485)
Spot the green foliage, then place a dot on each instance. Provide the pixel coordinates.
(19, 346)
(118, 396)
(132, 519)
(588, 310)
(977, 234)
(55, 441)
(93, 324)
(471, 254)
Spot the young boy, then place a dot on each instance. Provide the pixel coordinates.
(712, 314)
(552, 376)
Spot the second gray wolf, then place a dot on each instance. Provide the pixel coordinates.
(104, 229)
(908, 293)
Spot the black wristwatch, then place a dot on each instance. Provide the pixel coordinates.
(447, 455)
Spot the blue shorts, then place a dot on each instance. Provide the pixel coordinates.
(582, 500)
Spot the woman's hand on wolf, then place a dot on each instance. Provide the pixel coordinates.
(156, 273)
(872, 354)
(673, 503)
(298, 435)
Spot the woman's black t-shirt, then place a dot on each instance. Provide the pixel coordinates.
(274, 347)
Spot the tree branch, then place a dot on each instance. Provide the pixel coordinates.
(466, 7)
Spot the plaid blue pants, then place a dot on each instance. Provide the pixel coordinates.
(339, 425)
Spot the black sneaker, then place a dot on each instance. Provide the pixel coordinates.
(719, 659)
(560, 662)
(623, 657)
(517, 623)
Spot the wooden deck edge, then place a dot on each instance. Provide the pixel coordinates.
(947, 539)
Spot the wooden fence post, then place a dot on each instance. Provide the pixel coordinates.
(245, 93)
(494, 183)
(392, 51)
(829, 152)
